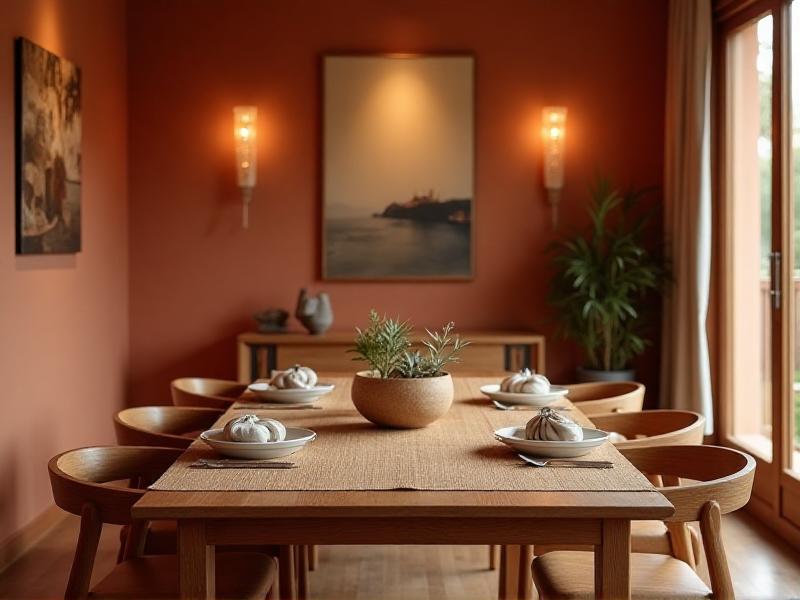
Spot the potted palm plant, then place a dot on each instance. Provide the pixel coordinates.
(403, 388)
(602, 283)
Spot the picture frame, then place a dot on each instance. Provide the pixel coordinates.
(48, 129)
(398, 162)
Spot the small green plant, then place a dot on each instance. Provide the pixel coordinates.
(386, 346)
(603, 280)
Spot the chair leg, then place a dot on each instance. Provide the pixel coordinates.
(313, 560)
(302, 572)
(494, 557)
(287, 576)
(681, 542)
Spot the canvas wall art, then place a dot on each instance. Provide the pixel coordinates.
(48, 166)
(398, 167)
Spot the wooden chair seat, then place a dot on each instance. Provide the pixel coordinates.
(647, 537)
(162, 538)
(570, 576)
(245, 576)
(703, 483)
(85, 482)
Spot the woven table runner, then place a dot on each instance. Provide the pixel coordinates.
(457, 453)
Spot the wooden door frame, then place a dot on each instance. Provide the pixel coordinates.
(773, 479)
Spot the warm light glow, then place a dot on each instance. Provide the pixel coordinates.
(554, 122)
(244, 133)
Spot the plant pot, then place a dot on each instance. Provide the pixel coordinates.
(586, 375)
(402, 403)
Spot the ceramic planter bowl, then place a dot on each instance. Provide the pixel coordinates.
(402, 403)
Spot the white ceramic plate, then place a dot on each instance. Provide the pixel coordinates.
(493, 391)
(266, 392)
(296, 439)
(515, 437)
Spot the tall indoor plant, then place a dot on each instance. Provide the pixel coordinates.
(404, 387)
(604, 280)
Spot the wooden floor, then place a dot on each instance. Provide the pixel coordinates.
(762, 566)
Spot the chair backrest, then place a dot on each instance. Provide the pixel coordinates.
(166, 426)
(80, 477)
(85, 482)
(205, 393)
(653, 427)
(721, 482)
(602, 397)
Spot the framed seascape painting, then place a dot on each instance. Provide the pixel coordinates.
(48, 152)
(398, 167)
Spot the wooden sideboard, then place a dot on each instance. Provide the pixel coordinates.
(489, 351)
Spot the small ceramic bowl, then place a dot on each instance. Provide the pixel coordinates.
(266, 391)
(515, 438)
(296, 439)
(493, 391)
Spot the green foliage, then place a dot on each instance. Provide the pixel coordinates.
(386, 346)
(603, 279)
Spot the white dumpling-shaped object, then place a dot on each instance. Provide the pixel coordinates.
(296, 378)
(551, 426)
(525, 382)
(251, 428)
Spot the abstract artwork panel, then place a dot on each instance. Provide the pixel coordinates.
(48, 166)
(398, 167)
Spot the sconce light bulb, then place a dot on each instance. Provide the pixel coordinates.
(244, 132)
(555, 132)
(245, 164)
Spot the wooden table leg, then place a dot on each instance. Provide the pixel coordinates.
(196, 561)
(612, 561)
(313, 558)
(509, 573)
(525, 585)
(288, 576)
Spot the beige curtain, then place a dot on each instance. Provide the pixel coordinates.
(685, 376)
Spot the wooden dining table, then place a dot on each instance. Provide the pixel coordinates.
(450, 483)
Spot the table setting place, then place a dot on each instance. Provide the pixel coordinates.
(279, 447)
(296, 388)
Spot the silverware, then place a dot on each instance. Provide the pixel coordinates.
(566, 462)
(207, 463)
(262, 406)
(501, 406)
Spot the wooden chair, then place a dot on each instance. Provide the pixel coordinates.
(602, 397)
(205, 393)
(650, 429)
(721, 481)
(85, 483)
(165, 426)
(178, 427)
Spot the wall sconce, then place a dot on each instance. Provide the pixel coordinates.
(244, 132)
(554, 122)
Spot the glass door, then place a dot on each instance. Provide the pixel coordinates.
(754, 256)
(758, 192)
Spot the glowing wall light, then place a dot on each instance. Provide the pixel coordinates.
(554, 124)
(244, 132)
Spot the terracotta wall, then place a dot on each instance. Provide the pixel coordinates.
(196, 276)
(64, 319)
